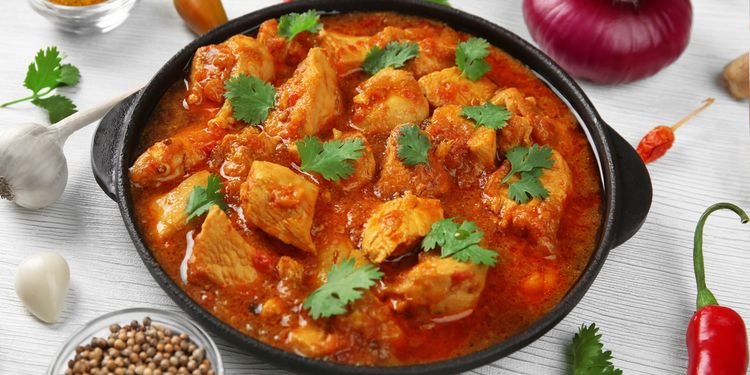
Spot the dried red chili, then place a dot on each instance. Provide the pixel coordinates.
(716, 337)
(660, 139)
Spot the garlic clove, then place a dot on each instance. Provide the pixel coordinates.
(33, 168)
(42, 282)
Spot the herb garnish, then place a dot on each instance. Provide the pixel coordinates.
(441, 2)
(460, 241)
(251, 98)
(203, 197)
(394, 54)
(330, 159)
(529, 162)
(488, 115)
(45, 74)
(413, 146)
(344, 285)
(587, 355)
(470, 58)
(294, 23)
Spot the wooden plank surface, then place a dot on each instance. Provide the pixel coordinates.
(642, 298)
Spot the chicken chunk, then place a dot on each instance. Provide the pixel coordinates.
(390, 98)
(539, 218)
(286, 54)
(308, 102)
(364, 167)
(447, 86)
(397, 225)
(439, 287)
(437, 46)
(281, 203)
(291, 272)
(312, 341)
(372, 319)
(528, 123)
(465, 149)
(347, 52)
(171, 159)
(170, 207)
(221, 254)
(237, 151)
(215, 63)
(425, 180)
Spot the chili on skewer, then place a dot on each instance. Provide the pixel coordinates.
(716, 337)
(660, 139)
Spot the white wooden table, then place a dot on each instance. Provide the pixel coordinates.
(642, 299)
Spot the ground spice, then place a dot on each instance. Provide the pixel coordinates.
(76, 3)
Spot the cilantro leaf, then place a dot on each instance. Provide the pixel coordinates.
(294, 23)
(460, 241)
(524, 159)
(344, 285)
(203, 197)
(470, 58)
(69, 75)
(329, 159)
(587, 356)
(58, 107)
(413, 146)
(44, 72)
(394, 54)
(251, 98)
(528, 187)
(488, 115)
(441, 2)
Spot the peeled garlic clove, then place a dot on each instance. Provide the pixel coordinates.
(42, 283)
(33, 169)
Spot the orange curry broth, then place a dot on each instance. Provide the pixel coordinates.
(506, 305)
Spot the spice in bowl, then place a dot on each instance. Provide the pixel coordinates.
(140, 348)
(76, 3)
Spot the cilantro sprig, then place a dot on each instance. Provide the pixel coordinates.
(529, 162)
(488, 115)
(45, 74)
(587, 355)
(331, 159)
(394, 54)
(460, 241)
(202, 198)
(294, 23)
(251, 98)
(470, 58)
(441, 2)
(413, 146)
(344, 285)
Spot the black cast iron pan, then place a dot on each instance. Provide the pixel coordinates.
(627, 186)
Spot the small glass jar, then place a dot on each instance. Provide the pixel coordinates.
(99, 327)
(89, 19)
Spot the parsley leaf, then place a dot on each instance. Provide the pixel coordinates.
(488, 115)
(395, 54)
(470, 58)
(344, 285)
(44, 75)
(529, 162)
(587, 356)
(441, 2)
(413, 146)
(460, 241)
(203, 197)
(58, 107)
(251, 98)
(329, 159)
(294, 23)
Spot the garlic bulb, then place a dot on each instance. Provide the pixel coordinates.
(42, 282)
(33, 169)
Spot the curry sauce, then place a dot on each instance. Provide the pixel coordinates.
(537, 263)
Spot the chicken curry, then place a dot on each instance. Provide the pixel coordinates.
(367, 188)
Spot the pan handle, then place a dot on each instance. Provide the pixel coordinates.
(634, 191)
(107, 145)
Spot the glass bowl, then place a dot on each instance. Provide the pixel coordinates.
(89, 19)
(99, 327)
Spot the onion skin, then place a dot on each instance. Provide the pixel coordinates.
(610, 41)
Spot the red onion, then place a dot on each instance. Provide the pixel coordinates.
(610, 41)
